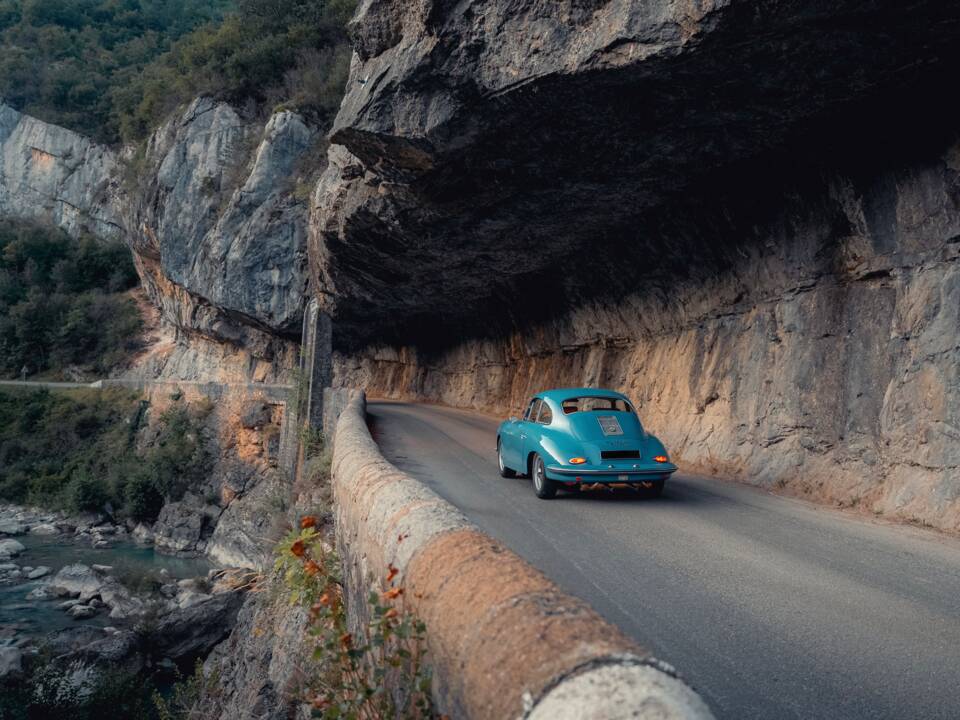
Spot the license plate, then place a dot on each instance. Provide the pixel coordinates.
(623, 478)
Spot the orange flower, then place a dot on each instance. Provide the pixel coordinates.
(391, 613)
(393, 593)
(346, 640)
(311, 568)
(308, 521)
(298, 549)
(392, 573)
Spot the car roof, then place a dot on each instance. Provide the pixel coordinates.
(558, 395)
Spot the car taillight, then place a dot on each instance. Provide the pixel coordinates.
(577, 461)
(660, 458)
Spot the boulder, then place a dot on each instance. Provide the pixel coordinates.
(38, 572)
(122, 602)
(10, 548)
(189, 598)
(11, 661)
(40, 593)
(191, 632)
(76, 580)
(82, 612)
(102, 568)
(10, 526)
(143, 534)
(44, 529)
(179, 527)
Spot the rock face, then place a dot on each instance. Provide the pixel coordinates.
(192, 632)
(220, 215)
(756, 240)
(51, 174)
(215, 211)
(259, 664)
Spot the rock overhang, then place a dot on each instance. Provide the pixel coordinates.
(493, 161)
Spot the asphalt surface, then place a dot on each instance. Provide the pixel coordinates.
(770, 607)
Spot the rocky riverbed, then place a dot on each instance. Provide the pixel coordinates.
(83, 590)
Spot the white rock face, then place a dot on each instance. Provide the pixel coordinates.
(221, 215)
(52, 174)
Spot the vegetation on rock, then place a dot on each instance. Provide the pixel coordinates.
(269, 53)
(112, 69)
(70, 62)
(77, 451)
(63, 301)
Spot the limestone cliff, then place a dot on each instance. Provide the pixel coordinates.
(212, 211)
(744, 214)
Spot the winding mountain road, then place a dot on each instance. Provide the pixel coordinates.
(770, 607)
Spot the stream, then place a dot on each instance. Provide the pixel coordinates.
(22, 617)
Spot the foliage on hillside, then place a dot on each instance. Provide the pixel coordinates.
(62, 301)
(269, 53)
(112, 69)
(64, 61)
(76, 451)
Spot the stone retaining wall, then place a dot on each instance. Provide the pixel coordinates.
(504, 641)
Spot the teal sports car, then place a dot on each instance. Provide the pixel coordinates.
(579, 438)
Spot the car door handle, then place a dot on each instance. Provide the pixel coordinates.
(522, 436)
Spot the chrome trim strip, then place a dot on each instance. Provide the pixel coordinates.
(612, 473)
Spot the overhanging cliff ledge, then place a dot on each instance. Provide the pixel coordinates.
(513, 155)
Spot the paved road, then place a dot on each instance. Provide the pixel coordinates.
(42, 384)
(770, 607)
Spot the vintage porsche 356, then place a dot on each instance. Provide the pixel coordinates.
(582, 437)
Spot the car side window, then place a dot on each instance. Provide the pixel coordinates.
(546, 415)
(531, 413)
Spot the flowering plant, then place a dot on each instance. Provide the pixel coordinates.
(376, 674)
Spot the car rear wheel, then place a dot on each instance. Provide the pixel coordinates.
(542, 485)
(504, 470)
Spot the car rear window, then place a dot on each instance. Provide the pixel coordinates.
(594, 404)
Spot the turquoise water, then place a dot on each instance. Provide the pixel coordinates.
(19, 616)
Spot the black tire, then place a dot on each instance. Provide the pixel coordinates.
(504, 470)
(544, 487)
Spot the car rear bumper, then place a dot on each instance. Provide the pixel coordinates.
(610, 475)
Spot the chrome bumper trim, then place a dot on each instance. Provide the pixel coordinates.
(667, 469)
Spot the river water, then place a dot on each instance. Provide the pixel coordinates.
(20, 616)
